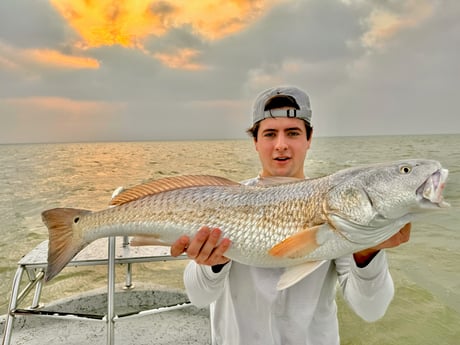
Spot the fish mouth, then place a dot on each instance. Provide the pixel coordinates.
(430, 192)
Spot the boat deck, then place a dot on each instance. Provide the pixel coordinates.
(149, 315)
(139, 325)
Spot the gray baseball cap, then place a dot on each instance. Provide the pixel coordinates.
(297, 95)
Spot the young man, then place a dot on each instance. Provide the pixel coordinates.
(246, 308)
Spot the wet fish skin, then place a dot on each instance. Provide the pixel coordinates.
(276, 225)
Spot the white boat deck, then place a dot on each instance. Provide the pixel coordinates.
(182, 325)
(144, 315)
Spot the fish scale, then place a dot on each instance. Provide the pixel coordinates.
(269, 225)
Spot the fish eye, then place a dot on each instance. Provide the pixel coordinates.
(405, 169)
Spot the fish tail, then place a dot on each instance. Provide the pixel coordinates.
(65, 237)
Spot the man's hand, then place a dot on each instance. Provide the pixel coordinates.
(203, 248)
(363, 257)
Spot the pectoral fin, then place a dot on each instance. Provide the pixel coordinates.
(369, 235)
(297, 245)
(294, 274)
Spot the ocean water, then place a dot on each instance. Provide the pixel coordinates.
(426, 271)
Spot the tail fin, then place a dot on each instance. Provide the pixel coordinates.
(65, 241)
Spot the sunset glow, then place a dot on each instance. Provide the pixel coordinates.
(383, 24)
(180, 59)
(107, 22)
(87, 70)
(131, 23)
(57, 59)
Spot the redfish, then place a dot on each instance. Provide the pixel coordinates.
(295, 225)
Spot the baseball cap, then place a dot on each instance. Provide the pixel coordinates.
(299, 97)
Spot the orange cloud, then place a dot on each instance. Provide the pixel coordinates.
(24, 60)
(217, 19)
(62, 105)
(180, 59)
(55, 58)
(108, 22)
(129, 23)
(383, 24)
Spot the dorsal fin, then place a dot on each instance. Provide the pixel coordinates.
(167, 184)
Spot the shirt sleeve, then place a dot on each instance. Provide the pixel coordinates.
(368, 290)
(203, 286)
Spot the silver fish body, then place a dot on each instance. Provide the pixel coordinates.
(273, 225)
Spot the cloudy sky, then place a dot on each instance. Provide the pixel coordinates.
(107, 70)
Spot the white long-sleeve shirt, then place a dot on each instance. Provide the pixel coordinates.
(246, 308)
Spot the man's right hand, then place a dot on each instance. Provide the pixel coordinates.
(204, 248)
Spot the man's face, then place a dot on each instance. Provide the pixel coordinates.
(282, 146)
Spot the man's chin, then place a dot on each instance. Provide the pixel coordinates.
(284, 171)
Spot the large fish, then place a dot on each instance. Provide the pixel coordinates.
(274, 225)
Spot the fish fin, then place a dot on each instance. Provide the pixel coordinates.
(65, 241)
(369, 235)
(168, 184)
(147, 240)
(117, 191)
(294, 274)
(297, 245)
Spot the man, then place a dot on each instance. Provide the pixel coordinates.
(246, 308)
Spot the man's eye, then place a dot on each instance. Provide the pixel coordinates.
(293, 134)
(269, 134)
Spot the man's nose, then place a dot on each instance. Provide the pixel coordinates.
(281, 143)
